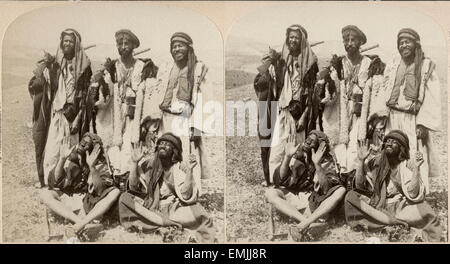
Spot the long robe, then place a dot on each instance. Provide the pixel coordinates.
(50, 121)
(191, 112)
(340, 122)
(429, 115)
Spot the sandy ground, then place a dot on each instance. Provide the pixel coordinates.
(248, 213)
(24, 214)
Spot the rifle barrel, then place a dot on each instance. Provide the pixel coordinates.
(369, 48)
(142, 51)
(316, 43)
(90, 46)
(85, 48)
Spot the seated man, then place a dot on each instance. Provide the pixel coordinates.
(309, 168)
(389, 191)
(81, 169)
(162, 192)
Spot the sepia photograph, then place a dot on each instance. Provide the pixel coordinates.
(111, 125)
(340, 133)
(241, 123)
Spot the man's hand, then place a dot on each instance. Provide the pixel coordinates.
(91, 159)
(273, 55)
(317, 155)
(290, 147)
(137, 152)
(363, 149)
(65, 149)
(421, 132)
(418, 161)
(48, 58)
(299, 125)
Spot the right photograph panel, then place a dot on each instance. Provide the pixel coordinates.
(336, 121)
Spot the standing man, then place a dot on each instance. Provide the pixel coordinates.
(290, 80)
(182, 98)
(61, 109)
(411, 98)
(121, 91)
(346, 107)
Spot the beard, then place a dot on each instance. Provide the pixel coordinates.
(351, 49)
(125, 52)
(68, 51)
(391, 152)
(164, 153)
(294, 48)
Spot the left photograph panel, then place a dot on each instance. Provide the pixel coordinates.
(112, 126)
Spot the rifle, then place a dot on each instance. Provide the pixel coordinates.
(369, 48)
(140, 52)
(47, 55)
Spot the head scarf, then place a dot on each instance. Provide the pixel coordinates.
(191, 59)
(80, 61)
(418, 60)
(119, 34)
(176, 141)
(306, 57)
(402, 139)
(347, 29)
(382, 171)
(152, 199)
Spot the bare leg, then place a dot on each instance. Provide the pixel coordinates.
(325, 207)
(52, 200)
(99, 209)
(276, 198)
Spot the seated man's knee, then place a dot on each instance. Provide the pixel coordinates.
(46, 195)
(271, 194)
(340, 192)
(114, 194)
(125, 198)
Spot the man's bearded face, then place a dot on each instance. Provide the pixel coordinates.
(352, 43)
(68, 44)
(294, 39)
(85, 144)
(125, 46)
(311, 142)
(392, 147)
(165, 149)
(179, 51)
(406, 47)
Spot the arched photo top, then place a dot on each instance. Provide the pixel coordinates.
(31, 33)
(254, 33)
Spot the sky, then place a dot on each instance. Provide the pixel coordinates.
(324, 21)
(97, 23)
